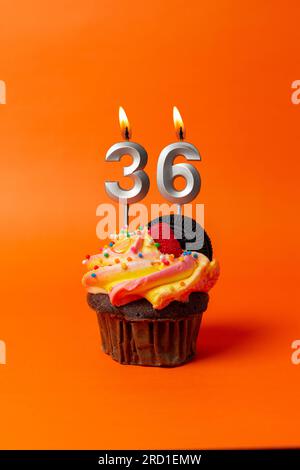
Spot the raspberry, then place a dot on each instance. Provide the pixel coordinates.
(176, 224)
(164, 237)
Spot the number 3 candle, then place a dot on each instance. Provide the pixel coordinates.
(134, 170)
(167, 172)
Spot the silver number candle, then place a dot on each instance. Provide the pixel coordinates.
(134, 170)
(166, 171)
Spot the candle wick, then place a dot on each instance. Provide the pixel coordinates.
(126, 133)
(181, 136)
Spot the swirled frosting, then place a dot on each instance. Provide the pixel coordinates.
(132, 267)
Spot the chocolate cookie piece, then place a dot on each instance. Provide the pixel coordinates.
(186, 228)
(142, 309)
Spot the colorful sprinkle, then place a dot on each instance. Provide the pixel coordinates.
(133, 249)
(111, 244)
(129, 258)
(94, 275)
(96, 267)
(182, 283)
(195, 255)
(106, 254)
(166, 262)
(117, 260)
(157, 244)
(140, 255)
(124, 266)
(88, 256)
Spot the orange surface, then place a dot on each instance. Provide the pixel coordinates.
(228, 66)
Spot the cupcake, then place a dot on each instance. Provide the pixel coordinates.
(149, 295)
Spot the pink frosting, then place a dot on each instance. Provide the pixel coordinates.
(134, 268)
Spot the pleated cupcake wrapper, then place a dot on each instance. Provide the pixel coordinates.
(157, 342)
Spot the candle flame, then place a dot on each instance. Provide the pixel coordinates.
(178, 123)
(124, 124)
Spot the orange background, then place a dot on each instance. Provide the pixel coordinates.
(228, 66)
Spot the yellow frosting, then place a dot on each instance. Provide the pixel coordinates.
(133, 267)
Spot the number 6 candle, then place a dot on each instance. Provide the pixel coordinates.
(167, 172)
(134, 170)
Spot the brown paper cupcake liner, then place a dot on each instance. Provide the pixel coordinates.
(158, 342)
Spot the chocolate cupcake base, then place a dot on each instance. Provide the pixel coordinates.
(138, 334)
(164, 342)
